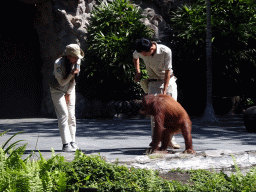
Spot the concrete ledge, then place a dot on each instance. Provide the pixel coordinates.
(219, 159)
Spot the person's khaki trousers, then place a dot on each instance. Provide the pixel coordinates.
(65, 114)
(156, 87)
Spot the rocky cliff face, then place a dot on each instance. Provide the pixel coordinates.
(59, 23)
(62, 22)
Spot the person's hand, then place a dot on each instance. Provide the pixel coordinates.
(75, 71)
(62, 11)
(164, 92)
(137, 77)
(67, 98)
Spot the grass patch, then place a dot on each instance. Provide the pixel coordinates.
(156, 156)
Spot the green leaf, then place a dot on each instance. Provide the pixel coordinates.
(87, 178)
(11, 146)
(1, 134)
(12, 138)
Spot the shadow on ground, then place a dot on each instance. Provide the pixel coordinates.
(230, 128)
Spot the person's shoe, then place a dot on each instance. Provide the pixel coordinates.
(74, 145)
(174, 146)
(68, 148)
(173, 143)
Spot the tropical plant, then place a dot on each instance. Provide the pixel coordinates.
(10, 152)
(94, 172)
(189, 24)
(212, 181)
(22, 174)
(233, 39)
(114, 28)
(17, 174)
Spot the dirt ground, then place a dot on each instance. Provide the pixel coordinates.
(177, 176)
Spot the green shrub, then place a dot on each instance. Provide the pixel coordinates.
(93, 171)
(52, 172)
(211, 181)
(233, 40)
(19, 174)
(114, 28)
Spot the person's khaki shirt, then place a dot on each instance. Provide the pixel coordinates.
(65, 85)
(157, 64)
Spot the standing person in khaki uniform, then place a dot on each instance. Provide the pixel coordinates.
(158, 61)
(62, 89)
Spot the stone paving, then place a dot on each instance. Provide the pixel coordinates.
(125, 141)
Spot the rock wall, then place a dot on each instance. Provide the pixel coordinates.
(59, 23)
(62, 22)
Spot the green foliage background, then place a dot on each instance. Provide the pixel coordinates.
(108, 71)
(233, 50)
(114, 28)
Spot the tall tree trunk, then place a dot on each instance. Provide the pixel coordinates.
(209, 114)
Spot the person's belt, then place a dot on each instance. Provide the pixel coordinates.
(152, 80)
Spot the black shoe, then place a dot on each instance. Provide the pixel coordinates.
(68, 148)
(74, 145)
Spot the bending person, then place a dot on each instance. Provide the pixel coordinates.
(66, 68)
(158, 61)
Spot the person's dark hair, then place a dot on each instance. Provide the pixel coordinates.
(67, 66)
(142, 45)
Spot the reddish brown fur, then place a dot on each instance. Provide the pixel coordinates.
(170, 117)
